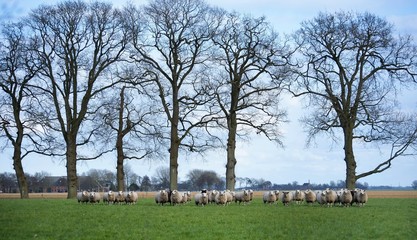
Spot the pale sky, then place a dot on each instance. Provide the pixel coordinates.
(258, 158)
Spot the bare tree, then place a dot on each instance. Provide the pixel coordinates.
(252, 64)
(170, 48)
(354, 68)
(18, 68)
(79, 44)
(131, 122)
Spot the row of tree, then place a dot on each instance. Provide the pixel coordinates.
(80, 80)
(104, 180)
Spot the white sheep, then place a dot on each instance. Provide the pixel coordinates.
(95, 197)
(221, 198)
(309, 196)
(212, 196)
(286, 197)
(161, 197)
(187, 196)
(331, 197)
(269, 197)
(298, 196)
(176, 197)
(321, 197)
(131, 197)
(361, 197)
(201, 199)
(346, 197)
(229, 196)
(83, 197)
(109, 197)
(242, 196)
(119, 197)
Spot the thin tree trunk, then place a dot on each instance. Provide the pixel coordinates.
(119, 145)
(72, 180)
(175, 141)
(231, 154)
(349, 160)
(20, 174)
(173, 158)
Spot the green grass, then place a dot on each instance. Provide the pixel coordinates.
(66, 219)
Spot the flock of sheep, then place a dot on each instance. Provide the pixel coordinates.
(328, 197)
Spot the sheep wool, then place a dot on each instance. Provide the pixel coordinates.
(361, 197)
(95, 197)
(269, 197)
(108, 197)
(243, 196)
(309, 196)
(161, 197)
(131, 197)
(221, 198)
(346, 197)
(176, 197)
(286, 198)
(83, 197)
(201, 199)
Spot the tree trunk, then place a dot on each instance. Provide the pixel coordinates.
(349, 160)
(173, 158)
(20, 174)
(120, 170)
(231, 153)
(72, 178)
(119, 146)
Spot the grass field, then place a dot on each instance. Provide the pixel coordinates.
(52, 218)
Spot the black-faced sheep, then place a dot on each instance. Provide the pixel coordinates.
(201, 199)
(131, 197)
(242, 196)
(83, 197)
(286, 197)
(161, 197)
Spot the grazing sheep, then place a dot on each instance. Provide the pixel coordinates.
(109, 197)
(221, 198)
(95, 197)
(119, 197)
(131, 197)
(345, 197)
(269, 197)
(251, 195)
(229, 196)
(286, 197)
(361, 197)
(212, 196)
(298, 196)
(310, 196)
(187, 197)
(83, 197)
(243, 196)
(161, 197)
(201, 199)
(331, 197)
(176, 197)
